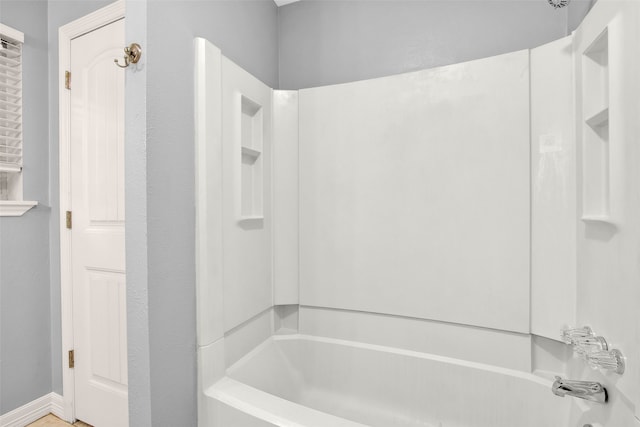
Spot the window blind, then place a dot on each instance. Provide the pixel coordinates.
(10, 99)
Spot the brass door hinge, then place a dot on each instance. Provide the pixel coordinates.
(69, 220)
(72, 360)
(67, 79)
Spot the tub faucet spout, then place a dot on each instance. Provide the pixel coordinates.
(587, 390)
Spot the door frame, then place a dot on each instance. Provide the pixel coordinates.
(101, 17)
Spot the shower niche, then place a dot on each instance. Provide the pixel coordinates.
(595, 147)
(251, 160)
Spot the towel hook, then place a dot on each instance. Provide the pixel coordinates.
(132, 55)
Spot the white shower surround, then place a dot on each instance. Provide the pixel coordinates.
(329, 147)
(243, 367)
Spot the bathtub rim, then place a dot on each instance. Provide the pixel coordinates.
(271, 408)
(279, 411)
(273, 339)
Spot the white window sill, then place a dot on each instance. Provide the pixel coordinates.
(15, 208)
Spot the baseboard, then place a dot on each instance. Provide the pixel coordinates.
(57, 405)
(20, 417)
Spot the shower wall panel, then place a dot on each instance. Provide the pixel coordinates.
(234, 204)
(553, 174)
(414, 194)
(208, 164)
(246, 175)
(608, 246)
(285, 197)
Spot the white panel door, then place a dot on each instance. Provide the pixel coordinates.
(98, 245)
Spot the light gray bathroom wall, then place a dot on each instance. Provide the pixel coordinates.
(136, 231)
(25, 334)
(576, 12)
(327, 42)
(61, 12)
(246, 32)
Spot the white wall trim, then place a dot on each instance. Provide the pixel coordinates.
(12, 33)
(113, 12)
(26, 414)
(15, 208)
(57, 405)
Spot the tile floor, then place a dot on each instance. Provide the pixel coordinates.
(53, 421)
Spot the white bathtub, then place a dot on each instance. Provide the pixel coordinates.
(299, 380)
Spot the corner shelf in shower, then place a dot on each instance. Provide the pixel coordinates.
(250, 218)
(599, 124)
(597, 219)
(599, 119)
(251, 153)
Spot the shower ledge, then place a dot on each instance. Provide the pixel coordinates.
(598, 219)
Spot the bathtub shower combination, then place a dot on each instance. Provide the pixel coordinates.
(404, 251)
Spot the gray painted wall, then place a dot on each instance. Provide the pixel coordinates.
(246, 31)
(327, 42)
(30, 347)
(61, 12)
(576, 12)
(25, 335)
(136, 230)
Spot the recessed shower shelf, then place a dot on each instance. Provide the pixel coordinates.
(596, 165)
(599, 119)
(597, 219)
(251, 167)
(250, 218)
(250, 152)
